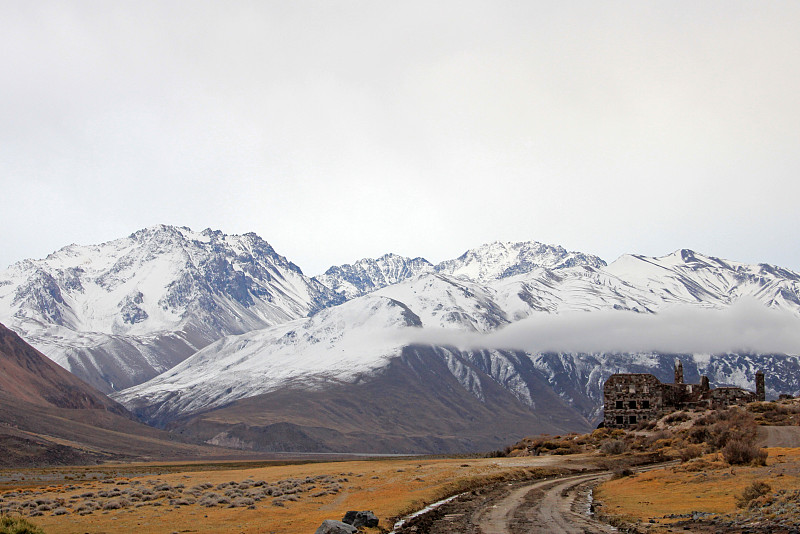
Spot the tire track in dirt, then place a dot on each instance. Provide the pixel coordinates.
(553, 505)
(544, 507)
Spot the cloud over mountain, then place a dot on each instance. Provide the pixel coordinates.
(745, 326)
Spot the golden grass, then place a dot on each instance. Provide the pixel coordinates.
(677, 490)
(389, 487)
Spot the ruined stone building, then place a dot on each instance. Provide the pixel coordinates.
(631, 398)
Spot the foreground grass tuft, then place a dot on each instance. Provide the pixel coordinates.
(17, 525)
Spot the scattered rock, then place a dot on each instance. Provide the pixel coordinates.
(329, 526)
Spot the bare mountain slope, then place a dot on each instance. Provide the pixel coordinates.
(416, 404)
(48, 416)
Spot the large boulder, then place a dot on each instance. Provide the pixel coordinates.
(361, 519)
(329, 526)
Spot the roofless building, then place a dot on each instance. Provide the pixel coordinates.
(633, 398)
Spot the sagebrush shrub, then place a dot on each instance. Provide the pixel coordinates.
(17, 525)
(743, 452)
(690, 452)
(614, 446)
(755, 490)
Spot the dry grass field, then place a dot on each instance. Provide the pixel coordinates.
(262, 499)
(704, 484)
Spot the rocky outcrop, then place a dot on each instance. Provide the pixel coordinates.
(361, 519)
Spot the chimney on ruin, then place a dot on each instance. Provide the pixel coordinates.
(760, 392)
(679, 372)
(704, 384)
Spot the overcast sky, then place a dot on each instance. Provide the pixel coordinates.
(342, 130)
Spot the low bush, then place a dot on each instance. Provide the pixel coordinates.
(743, 452)
(17, 525)
(241, 502)
(690, 452)
(614, 446)
(116, 504)
(677, 417)
(762, 407)
(752, 492)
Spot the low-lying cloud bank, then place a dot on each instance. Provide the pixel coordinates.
(746, 326)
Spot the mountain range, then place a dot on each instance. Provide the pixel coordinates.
(221, 339)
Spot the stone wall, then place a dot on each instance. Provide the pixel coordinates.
(631, 399)
(724, 397)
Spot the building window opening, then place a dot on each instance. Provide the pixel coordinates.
(631, 389)
(632, 404)
(632, 419)
(619, 405)
(646, 404)
(620, 420)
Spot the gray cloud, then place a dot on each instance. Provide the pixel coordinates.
(746, 326)
(339, 130)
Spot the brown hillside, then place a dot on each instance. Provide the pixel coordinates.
(50, 417)
(27, 375)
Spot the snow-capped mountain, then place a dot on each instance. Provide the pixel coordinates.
(124, 311)
(485, 264)
(687, 276)
(367, 275)
(357, 367)
(498, 260)
(336, 344)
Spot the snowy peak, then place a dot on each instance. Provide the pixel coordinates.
(367, 275)
(157, 279)
(122, 311)
(484, 264)
(448, 302)
(689, 277)
(494, 261)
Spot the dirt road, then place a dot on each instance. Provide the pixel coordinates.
(779, 436)
(551, 506)
(558, 505)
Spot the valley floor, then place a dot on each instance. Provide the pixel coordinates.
(249, 499)
(266, 497)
